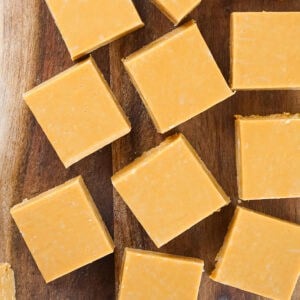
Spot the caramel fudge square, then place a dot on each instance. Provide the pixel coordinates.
(177, 77)
(7, 282)
(150, 275)
(265, 50)
(86, 25)
(78, 112)
(268, 156)
(169, 189)
(260, 254)
(176, 10)
(63, 229)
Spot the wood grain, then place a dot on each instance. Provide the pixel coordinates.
(31, 51)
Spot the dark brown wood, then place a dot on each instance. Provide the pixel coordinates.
(31, 51)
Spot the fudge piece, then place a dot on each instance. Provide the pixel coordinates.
(150, 276)
(63, 229)
(268, 156)
(265, 50)
(7, 282)
(261, 255)
(176, 10)
(177, 77)
(78, 112)
(169, 189)
(89, 24)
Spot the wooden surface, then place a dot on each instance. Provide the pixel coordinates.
(31, 51)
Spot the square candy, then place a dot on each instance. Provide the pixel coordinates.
(151, 276)
(268, 156)
(86, 25)
(63, 229)
(177, 77)
(7, 282)
(169, 189)
(261, 255)
(176, 10)
(265, 50)
(78, 112)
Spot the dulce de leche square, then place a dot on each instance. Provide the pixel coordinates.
(177, 77)
(78, 112)
(176, 10)
(268, 156)
(260, 254)
(86, 25)
(150, 275)
(169, 189)
(7, 282)
(265, 50)
(63, 229)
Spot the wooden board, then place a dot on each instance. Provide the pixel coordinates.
(31, 51)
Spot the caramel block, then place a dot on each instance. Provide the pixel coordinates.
(151, 276)
(265, 50)
(78, 112)
(268, 156)
(86, 25)
(63, 229)
(169, 189)
(177, 77)
(176, 10)
(7, 282)
(261, 255)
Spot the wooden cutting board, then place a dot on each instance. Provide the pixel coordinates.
(32, 51)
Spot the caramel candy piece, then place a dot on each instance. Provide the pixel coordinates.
(86, 25)
(169, 189)
(265, 50)
(177, 77)
(261, 255)
(7, 282)
(176, 10)
(63, 229)
(268, 156)
(78, 112)
(151, 276)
